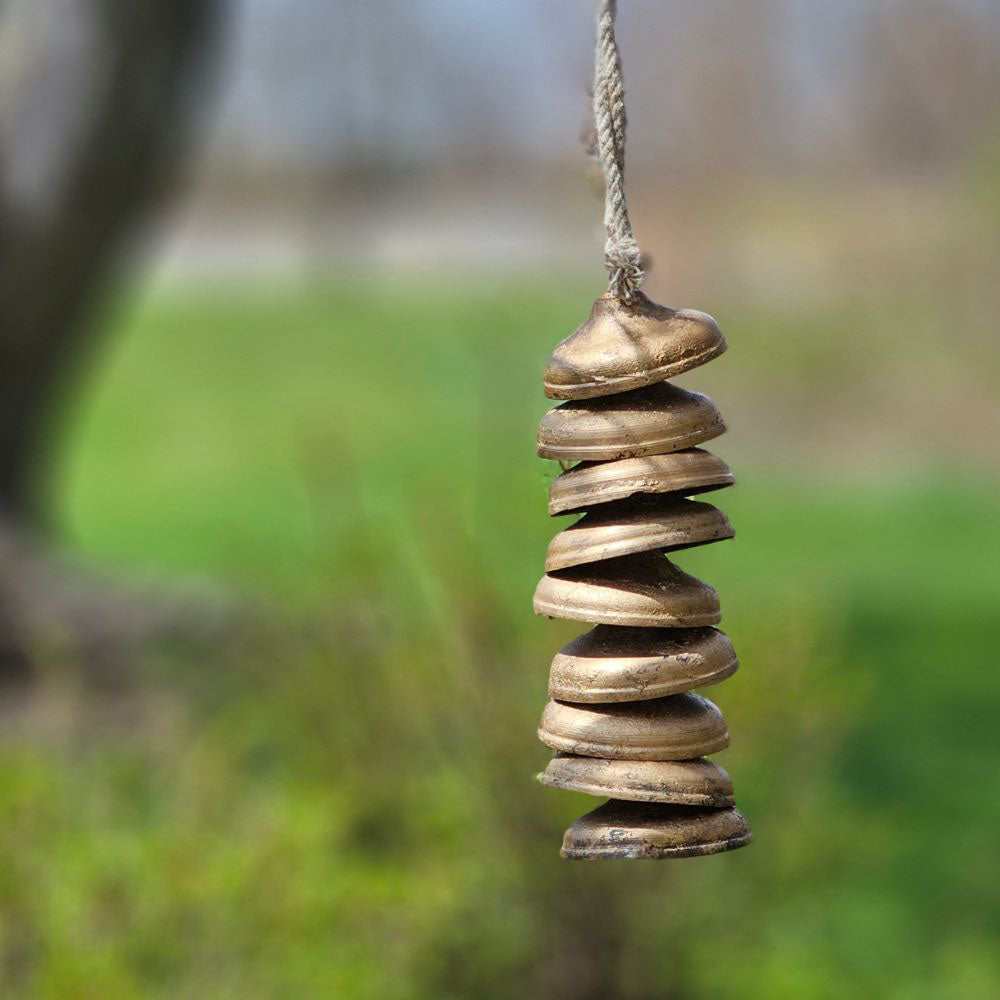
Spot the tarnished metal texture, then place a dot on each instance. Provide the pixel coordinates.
(645, 589)
(623, 346)
(683, 473)
(639, 524)
(680, 727)
(609, 664)
(697, 782)
(653, 830)
(650, 421)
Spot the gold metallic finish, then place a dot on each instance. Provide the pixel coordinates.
(681, 472)
(677, 728)
(625, 346)
(697, 782)
(640, 524)
(653, 830)
(609, 664)
(639, 590)
(651, 421)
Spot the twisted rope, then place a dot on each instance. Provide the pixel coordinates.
(621, 252)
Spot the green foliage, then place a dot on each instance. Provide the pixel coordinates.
(340, 803)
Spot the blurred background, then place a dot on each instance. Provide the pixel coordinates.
(278, 279)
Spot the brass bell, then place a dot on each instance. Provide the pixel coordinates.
(640, 524)
(609, 664)
(697, 782)
(645, 589)
(623, 718)
(653, 830)
(684, 473)
(650, 421)
(623, 346)
(680, 727)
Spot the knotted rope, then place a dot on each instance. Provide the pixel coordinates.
(621, 252)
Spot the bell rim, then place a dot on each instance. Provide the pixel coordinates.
(663, 445)
(721, 799)
(691, 524)
(648, 692)
(598, 488)
(651, 852)
(692, 748)
(658, 617)
(614, 384)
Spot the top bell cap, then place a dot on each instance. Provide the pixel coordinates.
(623, 346)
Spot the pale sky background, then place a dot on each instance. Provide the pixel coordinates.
(428, 79)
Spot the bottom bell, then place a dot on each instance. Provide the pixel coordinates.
(652, 830)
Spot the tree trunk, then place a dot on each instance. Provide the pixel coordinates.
(144, 57)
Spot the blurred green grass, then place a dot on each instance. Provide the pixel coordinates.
(339, 802)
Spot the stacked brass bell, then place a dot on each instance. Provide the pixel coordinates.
(623, 718)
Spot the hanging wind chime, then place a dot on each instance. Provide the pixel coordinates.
(623, 718)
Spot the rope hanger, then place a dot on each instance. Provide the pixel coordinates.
(622, 258)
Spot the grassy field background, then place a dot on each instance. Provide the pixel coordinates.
(337, 801)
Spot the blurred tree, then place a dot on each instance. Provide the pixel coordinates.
(95, 100)
(95, 108)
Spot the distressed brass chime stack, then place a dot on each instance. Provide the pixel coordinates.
(624, 719)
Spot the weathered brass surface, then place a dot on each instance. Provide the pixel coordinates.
(637, 590)
(652, 830)
(682, 472)
(624, 346)
(697, 782)
(623, 715)
(651, 421)
(610, 664)
(639, 524)
(680, 727)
